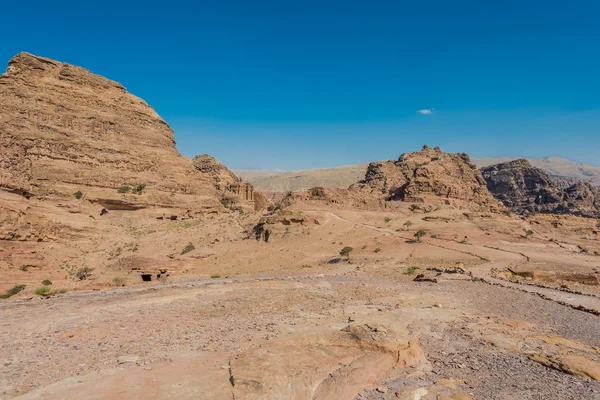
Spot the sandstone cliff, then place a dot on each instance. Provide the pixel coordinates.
(65, 130)
(429, 173)
(527, 189)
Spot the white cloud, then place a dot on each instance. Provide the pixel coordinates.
(426, 111)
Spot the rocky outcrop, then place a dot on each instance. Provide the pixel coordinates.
(527, 189)
(237, 194)
(429, 173)
(65, 130)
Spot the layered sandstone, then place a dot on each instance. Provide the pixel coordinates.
(429, 173)
(64, 130)
(528, 189)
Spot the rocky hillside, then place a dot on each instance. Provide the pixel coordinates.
(558, 168)
(429, 173)
(65, 130)
(528, 189)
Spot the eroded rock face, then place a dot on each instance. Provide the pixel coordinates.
(64, 129)
(233, 188)
(527, 189)
(429, 172)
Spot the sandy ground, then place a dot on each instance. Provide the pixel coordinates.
(291, 319)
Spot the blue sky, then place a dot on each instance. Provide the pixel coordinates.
(303, 84)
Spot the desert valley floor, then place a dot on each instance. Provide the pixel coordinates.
(291, 319)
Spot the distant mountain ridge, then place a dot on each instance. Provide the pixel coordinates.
(344, 176)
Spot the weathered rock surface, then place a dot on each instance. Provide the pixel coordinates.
(64, 129)
(236, 192)
(527, 189)
(429, 173)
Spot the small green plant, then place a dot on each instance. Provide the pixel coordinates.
(215, 276)
(408, 224)
(345, 252)
(42, 290)
(364, 247)
(24, 267)
(411, 270)
(92, 217)
(507, 212)
(78, 194)
(139, 188)
(377, 250)
(476, 279)
(419, 234)
(118, 281)
(387, 220)
(83, 273)
(11, 292)
(47, 282)
(189, 247)
(124, 189)
(414, 207)
(306, 266)
(60, 291)
(528, 232)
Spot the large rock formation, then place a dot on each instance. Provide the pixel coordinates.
(527, 189)
(64, 130)
(237, 194)
(429, 173)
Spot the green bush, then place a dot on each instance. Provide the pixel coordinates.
(345, 252)
(118, 281)
(83, 273)
(306, 266)
(408, 224)
(78, 194)
(24, 267)
(189, 247)
(377, 250)
(47, 282)
(411, 270)
(419, 234)
(42, 290)
(124, 189)
(139, 188)
(215, 276)
(414, 207)
(387, 220)
(11, 292)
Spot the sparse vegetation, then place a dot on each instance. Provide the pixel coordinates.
(507, 212)
(345, 252)
(215, 276)
(83, 273)
(408, 224)
(139, 188)
(11, 292)
(124, 189)
(528, 232)
(42, 290)
(189, 247)
(305, 266)
(118, 281)
(24, 267)
(414, 207)
(387, 220)
(411, 270)
(364, 247)
(476, 279)
(377, 250)
(274, 207)
(47, 282)
(78, 194)
(419, 234)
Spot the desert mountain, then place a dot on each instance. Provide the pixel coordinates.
(65, 130)
(344, 176)
(425, 174)
(528, 189)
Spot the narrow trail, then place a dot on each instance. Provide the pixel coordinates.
(502, 259)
